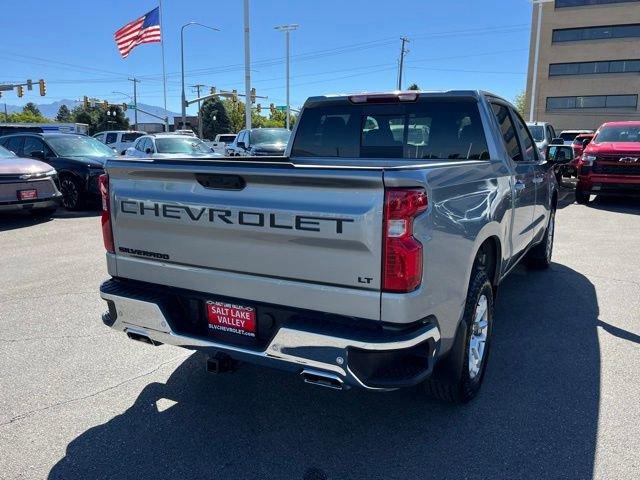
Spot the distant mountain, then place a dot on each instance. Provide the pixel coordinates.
(50, 110)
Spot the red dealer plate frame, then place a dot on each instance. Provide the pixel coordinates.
(223, 317)
(30, 194)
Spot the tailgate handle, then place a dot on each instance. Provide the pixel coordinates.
(221, 181)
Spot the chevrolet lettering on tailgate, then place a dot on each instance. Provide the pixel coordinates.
(232, 217)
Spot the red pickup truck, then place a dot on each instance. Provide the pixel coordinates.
(610, 164)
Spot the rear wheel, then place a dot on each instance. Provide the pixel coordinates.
(71, 193)
(582, 197)
(457, 377)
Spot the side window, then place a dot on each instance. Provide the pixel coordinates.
(100, 137)
(247, 138)
(529, 146)
(140, 144)
(32, 144)
(15, 144)
(149, 144)
(508, 131)
(111, 138)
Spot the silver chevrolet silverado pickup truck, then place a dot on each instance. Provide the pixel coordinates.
(368, 256)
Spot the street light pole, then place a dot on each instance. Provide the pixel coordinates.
(135, 101)
(287, 29)
(247, 67)
(536, 55)
(184, 97)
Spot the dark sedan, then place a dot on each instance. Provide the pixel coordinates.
(27, 185)
(78, 159)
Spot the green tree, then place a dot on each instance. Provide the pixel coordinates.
(215, 118)
(32, 108)
(414, 86)
(520, 102)
(235, 110)
(64, 115)
(97, 119)
(26, 117)
(112, 118)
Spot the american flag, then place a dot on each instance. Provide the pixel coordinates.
(145, 29)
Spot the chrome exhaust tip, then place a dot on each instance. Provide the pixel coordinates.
(139, 337)
(323, 379)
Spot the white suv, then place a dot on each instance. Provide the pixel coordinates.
(119, 140)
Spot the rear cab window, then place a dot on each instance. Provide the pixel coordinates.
(130, 137)
(430, 128)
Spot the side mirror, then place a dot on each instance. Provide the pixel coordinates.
(557, 141)
(242, 145)
(147, 150)
(559, 154)
(39, 154)
(586, 142)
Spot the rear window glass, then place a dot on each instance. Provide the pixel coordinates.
(130, 137)
(568, 136)
(428, 129)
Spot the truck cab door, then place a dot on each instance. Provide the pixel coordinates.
(523, 187)
(540, 176)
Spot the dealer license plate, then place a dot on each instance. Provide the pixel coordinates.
(231, 318)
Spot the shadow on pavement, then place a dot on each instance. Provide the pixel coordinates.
(536, 417)
(617, 204)
(13, 221)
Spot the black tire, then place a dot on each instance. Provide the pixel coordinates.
(452, 380)
(43, 212)
(71, 193)
(582, 197)
(539, 257)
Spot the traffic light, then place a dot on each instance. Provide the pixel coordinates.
(20, 91)
(234, 95)
(124, 107)
(258, 108)
(253, 95)
(85, 102)
(43, 87)
(272, 108)
(29, 84)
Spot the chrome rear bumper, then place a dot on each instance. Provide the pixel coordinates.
(297, 350)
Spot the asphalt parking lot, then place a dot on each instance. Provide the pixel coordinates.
(560, 400)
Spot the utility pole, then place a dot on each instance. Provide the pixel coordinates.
(197, 87)
(6, 115)
(247, 67)
(135, 101)
(404, 40)
(287, 29)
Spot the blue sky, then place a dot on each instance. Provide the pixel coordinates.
(341, 46)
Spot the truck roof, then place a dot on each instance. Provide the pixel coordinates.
(343, 97)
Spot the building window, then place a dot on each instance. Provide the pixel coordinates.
(580, 3)
(596, 33)
(592, 68)
(592, 101)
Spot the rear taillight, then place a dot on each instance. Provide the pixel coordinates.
(107, 232)
(402, 252)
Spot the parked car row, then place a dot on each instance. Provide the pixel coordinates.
(605, 162)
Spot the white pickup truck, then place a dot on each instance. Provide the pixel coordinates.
(368, 256)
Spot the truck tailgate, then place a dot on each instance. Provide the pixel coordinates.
(313, 225)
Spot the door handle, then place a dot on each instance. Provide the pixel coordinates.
(520, 185)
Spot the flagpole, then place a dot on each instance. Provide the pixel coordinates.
(164, 72)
